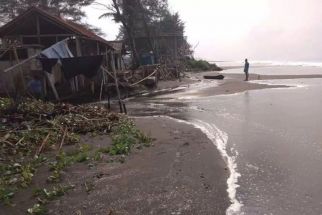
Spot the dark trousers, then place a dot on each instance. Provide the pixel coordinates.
(247, 75)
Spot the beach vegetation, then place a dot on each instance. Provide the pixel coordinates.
(50, 136)
(125, 137)
(200, 65)
(37, 209)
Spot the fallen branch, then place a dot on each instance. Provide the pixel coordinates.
(63, 140)
(20, 140)
(155, 71)
(42, 145)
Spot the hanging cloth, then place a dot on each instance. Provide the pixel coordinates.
(88, 66)
(48, 64)
(58, 50)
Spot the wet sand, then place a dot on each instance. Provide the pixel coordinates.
(182, 173)
(232, 86)
(270, 77)
(234, 83)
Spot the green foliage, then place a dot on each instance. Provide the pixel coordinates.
(27, 173)
(104, 150)
(5, 104)
(33, 107)
(35, 120)
(148, 18)
(6, 194)
(54, 193)
(125, 136)
(97, 156)
(200, 65)
(82, 157)
(70, 9)
(37, 209)
(62, 161)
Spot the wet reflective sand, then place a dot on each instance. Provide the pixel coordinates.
(273, 135)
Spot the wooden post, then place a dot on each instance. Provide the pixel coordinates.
(38, 29)
(52, 85)
(21, 71)
(116, 82)
(97, 48)
(79, 54)
(45, 86)
(78, 47)
(101, 93)
(92, 87)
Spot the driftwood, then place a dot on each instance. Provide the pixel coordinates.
(217, 77)
(42, 145)
(117, 84)
(63, 140)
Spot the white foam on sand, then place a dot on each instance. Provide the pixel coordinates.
(220, 139)
(278, 82)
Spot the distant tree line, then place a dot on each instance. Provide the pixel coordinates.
(144, 18)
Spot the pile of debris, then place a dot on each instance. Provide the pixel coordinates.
(34, 126)
(37, 135)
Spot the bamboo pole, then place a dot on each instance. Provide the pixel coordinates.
(101, 93)
(20, 63)
(52, 85)
(21, 72)
(116, 82)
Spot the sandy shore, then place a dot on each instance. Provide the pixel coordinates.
(234, 83)
(270, 77)
(182, 173)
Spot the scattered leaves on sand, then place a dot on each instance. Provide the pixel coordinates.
(32, 128)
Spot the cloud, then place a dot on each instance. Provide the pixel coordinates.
(267, 30)
(259, 29)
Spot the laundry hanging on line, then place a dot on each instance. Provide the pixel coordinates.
(48, 64)
(57, 51)
(52, 55)
(88, 66)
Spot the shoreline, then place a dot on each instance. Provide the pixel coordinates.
(232, 84)
(182, 173)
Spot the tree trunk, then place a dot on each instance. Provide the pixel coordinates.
(135, 56)
(147, 29)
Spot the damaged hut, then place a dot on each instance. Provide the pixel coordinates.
(65, 57)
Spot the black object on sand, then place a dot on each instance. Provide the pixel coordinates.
(218, 77)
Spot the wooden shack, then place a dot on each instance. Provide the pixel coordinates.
(35, 30)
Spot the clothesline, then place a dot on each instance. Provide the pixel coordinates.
(156, 70)
(108, 73)
(30, 58)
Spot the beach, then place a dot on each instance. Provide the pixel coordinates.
(182, 173)
(219, 147)
(265, 129)
(188, 170)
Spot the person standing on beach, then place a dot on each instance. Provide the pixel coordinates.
(246, 69)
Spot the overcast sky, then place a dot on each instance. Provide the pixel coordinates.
(283, 30)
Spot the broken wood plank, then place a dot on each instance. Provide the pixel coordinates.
(42, 145)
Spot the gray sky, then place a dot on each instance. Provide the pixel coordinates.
(284, 30)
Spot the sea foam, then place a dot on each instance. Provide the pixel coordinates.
(220, 139)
